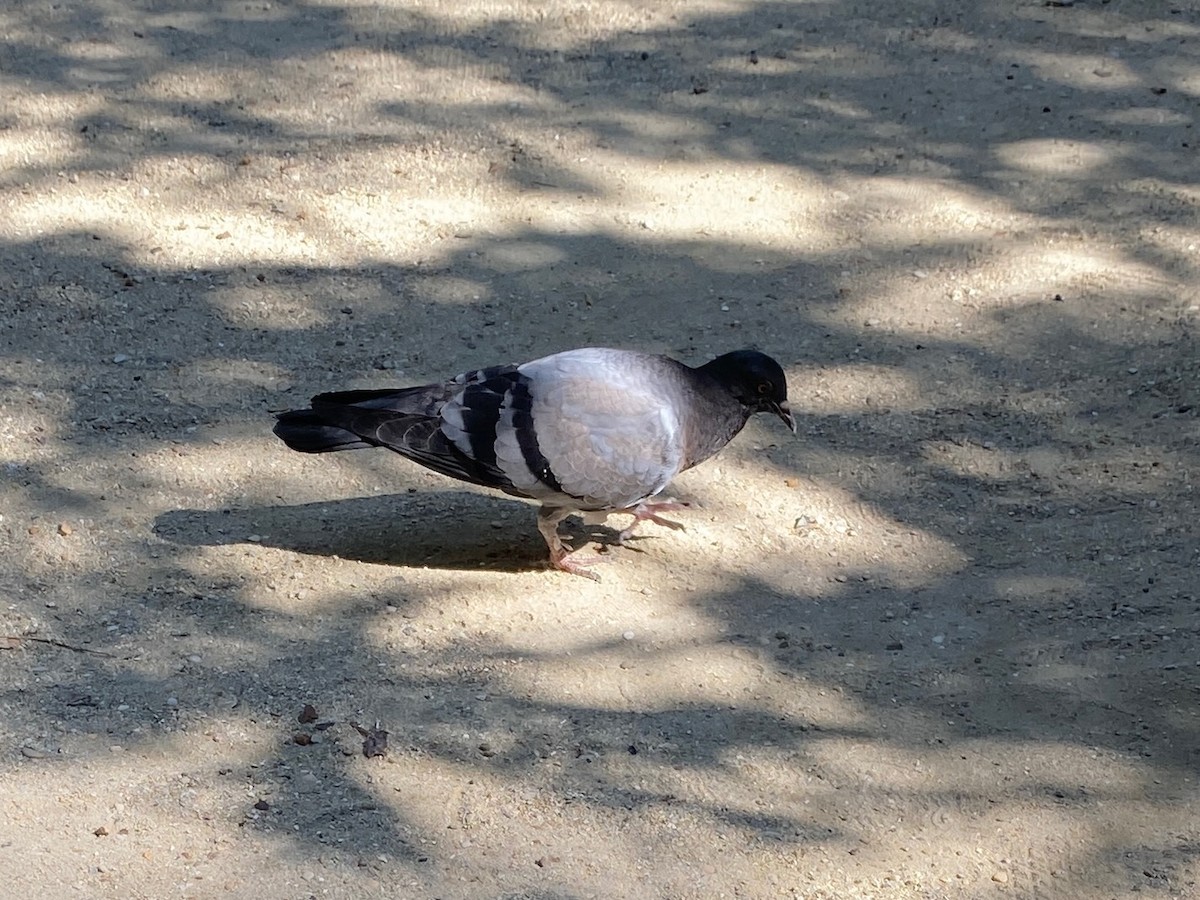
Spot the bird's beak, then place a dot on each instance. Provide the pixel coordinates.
(785, 412)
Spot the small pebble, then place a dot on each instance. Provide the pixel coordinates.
(1000, 877)
(172, 701)
(34, 753)
(254, 538)
(939, 638)
(628, 635)
(65, 529)
(120, 358)
(262, 805)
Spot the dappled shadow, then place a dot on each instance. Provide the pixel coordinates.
(727, 762)
(986, 476)
(990, 575)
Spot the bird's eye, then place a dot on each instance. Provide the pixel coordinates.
(764, 387)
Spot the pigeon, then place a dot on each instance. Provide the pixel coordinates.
(584, 432)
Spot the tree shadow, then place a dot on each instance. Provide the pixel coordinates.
(1049, 444)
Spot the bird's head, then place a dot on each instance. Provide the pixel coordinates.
(755, 380)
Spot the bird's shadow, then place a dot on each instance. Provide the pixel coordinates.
(440, 529)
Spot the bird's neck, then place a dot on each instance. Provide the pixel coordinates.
(716, 417)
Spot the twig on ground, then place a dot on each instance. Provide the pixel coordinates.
(11, 641)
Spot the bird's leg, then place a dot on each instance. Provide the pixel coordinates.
(649, 511)
(560, 556)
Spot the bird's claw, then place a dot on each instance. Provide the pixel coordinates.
(568, 562)
(649, 512)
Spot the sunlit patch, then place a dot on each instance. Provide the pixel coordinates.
(899, 211)
(660, 127)
(843, 109)
(237, 373)
(807, 536)
(1143, 115)
(761, 65)
(520, 256)
(561, 27)
(1044, 590)
(855, 388)
(32, 415)
(1046, 156)
(32, 148)
(1188, 82)
(756, 211)
(276, 310)
(450, 289)
(1102, 73)
(624, 675)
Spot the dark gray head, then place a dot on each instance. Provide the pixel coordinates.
(755, 380)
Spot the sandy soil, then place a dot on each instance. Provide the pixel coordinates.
(944, 644)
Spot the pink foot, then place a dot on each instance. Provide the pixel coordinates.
(567, 562)
(649, 512)
(561, 558)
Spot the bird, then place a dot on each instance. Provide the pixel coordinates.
(588, 432)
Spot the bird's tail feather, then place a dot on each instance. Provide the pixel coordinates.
(406, 401)
(306, 431)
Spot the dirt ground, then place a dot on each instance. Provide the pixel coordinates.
(945, 643)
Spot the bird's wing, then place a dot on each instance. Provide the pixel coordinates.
(410, 421)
